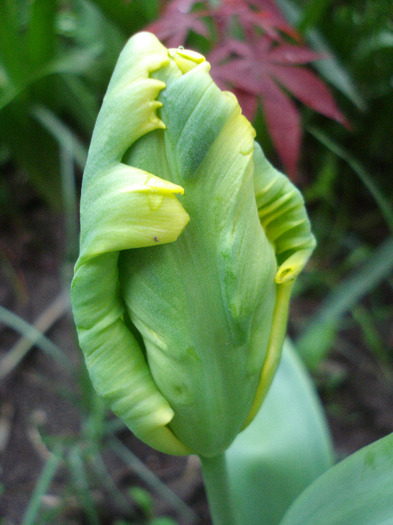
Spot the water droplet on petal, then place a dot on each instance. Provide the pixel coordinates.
(154, 200)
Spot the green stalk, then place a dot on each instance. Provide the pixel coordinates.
(215, 476)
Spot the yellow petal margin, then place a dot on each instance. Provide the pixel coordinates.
(283, 216)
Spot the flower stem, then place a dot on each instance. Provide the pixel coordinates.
(217, 488)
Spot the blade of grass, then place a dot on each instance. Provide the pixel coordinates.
(383, 204)
(33, 335)
(61, 133)
(153, 482)
(12, 45)
(78, 470)
(6, 416)
(33, 150)
(41, 34)
(313, 344)
(366, 324)
(74, 62)
(312, 13)
(69, 194)
(80, 101)
(106, 478)
(43, 483)
(11, 272)
(70, 149)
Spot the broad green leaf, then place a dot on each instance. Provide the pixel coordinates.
(285, 448)
(74, 62)
(62, 133)
(356, 491)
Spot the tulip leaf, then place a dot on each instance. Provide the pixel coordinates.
(358, 490)
(284, 449)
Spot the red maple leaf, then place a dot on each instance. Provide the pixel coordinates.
(176, 21)
(265, 71)
(264, 68)
(252, 14)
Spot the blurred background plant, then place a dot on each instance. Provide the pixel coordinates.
(316, 78)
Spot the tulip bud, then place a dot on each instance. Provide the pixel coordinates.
(190, 243)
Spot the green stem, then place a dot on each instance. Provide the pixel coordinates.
(217, 488)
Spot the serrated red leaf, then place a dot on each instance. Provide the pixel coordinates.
(250, 15)
(272, 25)
(248, 103)
(309, 89)
(184, 6)
(283, 122)
(176, 21)
(259, 68)
(289, 54)
(276, 18)
(236, 74)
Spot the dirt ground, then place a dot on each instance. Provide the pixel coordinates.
(32, 274)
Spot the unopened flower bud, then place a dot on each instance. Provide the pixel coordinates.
(190, 243)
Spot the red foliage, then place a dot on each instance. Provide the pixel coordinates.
(260, 70)
(176, 21)
(252, 14)
(265, 67)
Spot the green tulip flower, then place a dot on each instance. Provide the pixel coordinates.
(190, 243)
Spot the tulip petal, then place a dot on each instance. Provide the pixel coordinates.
(284, 218)
(122, 208)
